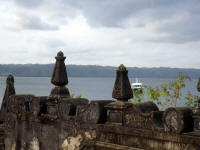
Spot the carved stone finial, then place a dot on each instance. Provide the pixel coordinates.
(10, 80)
(59, 77)
(122, 68)
(60, 54)
(122, 88)
(10, 90)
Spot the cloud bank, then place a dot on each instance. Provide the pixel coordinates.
(138, 33)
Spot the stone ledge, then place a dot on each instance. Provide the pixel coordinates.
(112, 146)
(187, 138)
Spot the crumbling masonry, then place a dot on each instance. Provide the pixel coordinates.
(59, 122)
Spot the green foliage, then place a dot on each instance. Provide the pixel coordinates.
(192, 100)
(154, 94)
(167, 94)
(76, 96)
(138, 95)
(176, 86)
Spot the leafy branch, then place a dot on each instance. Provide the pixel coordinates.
(167, 94)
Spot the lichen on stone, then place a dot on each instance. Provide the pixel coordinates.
(90, 135)
(34, 144)
(73, 143)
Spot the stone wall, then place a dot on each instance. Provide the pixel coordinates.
(59, 122)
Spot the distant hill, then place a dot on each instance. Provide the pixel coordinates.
(40, 70)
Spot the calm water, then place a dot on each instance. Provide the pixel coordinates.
(91, 88)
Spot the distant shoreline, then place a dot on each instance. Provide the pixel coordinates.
(92, 77)
(45, 70)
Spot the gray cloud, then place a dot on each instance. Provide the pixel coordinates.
(134, 32)
(181, 31)
(115, 13)
(112, 13)
(29, 3)
(106, 12)
(109, 13)
(32, 22)
(180, 23)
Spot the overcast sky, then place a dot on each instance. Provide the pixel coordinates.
(141, 33)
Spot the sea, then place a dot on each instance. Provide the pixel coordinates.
(91, 88)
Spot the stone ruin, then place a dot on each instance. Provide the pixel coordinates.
(60, 122)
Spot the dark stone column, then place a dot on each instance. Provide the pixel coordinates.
(59, 77)
(10, 90)
(122, 92)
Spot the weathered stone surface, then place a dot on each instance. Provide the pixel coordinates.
(178, 119)
(34, 144)
(141, 115)
(73, 143)
(115, 111)
(78, 142)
